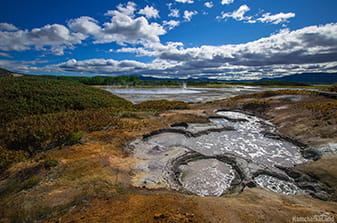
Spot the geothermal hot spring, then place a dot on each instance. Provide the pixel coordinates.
(230, 153)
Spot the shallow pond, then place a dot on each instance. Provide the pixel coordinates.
(188, 94)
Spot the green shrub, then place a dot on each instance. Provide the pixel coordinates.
(30, 182)
(39, 113)
(24, 96)
(332, 88)
(326, 110)
(41, 132)
(7, 157)
(73, 137)
(49, 163)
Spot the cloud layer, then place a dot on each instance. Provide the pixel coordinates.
(311, 49)
(7, 27)
(123, 28)
(54, 37)
(127, 25)
(138, 30)
(240, 15)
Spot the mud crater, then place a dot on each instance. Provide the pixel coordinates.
(233, 151)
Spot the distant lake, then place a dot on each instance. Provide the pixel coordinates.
(187, 94)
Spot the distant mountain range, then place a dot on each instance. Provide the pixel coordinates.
(315, 78)
(319, 78)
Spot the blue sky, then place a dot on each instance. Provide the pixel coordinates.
(219, 39)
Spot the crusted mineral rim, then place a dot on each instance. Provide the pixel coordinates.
(204, 176)
(209, 177)
(231, 152)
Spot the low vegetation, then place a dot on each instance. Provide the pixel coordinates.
(94, 175)
(265, 94)
(40, 132)
(332, 88)
(323, 110)
(42, 113)
(25, 96)
(38, 114)
(5, 73)
(135, 81)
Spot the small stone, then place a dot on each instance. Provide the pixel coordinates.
(251, 184)
(159, 216)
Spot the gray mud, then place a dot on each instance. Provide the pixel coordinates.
(233, 151)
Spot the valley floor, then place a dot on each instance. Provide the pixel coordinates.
(92, 181)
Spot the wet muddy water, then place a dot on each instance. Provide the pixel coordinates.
(219, 157)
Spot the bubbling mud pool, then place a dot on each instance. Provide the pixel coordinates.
(207, 176)
(233, 151)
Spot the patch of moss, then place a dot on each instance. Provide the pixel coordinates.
(49, 163)
(30, 182)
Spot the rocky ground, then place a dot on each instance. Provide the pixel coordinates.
(93, 181)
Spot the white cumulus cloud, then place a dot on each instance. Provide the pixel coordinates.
(171, 24)
(226, 2)
(149, 12)
(277, 18)
(126, 28)
(85, 25)
(189, 14)
(185, 1)
(174, 13)
(238, 15)
(128, 10)
(55, 38)
(4, 26)
(209, 4)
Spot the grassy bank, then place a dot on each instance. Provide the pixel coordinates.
(38, 114)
